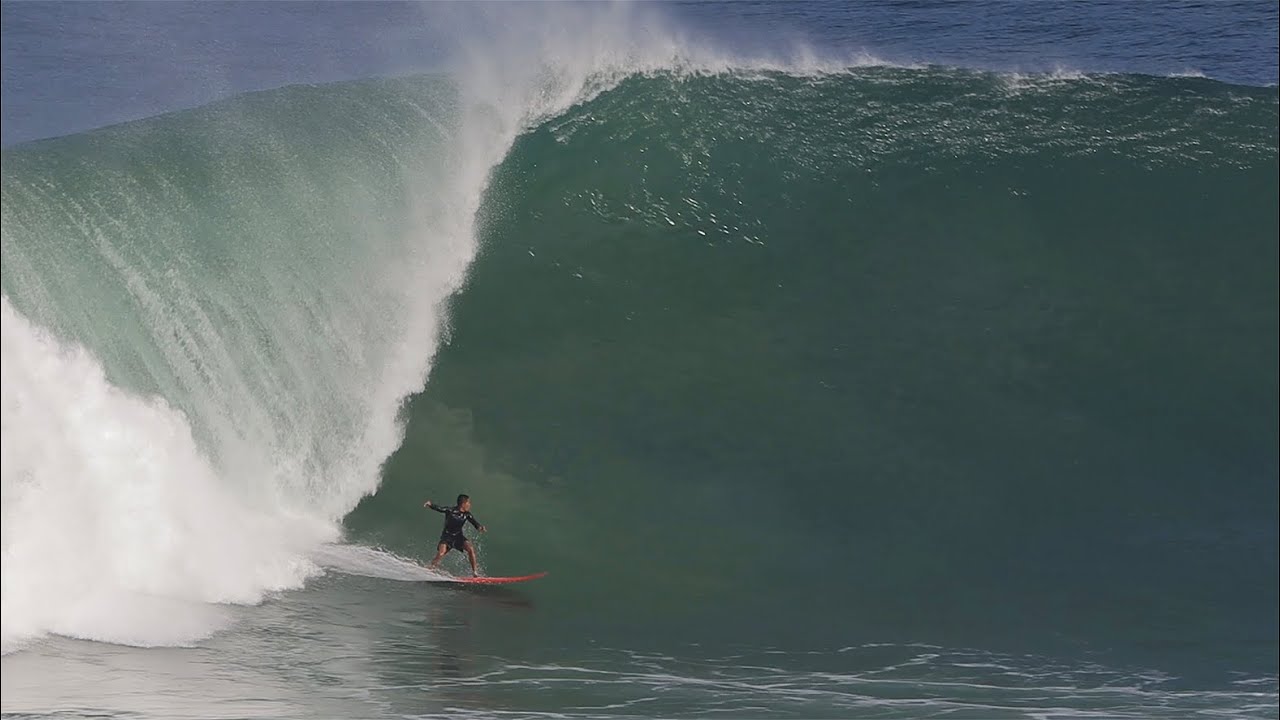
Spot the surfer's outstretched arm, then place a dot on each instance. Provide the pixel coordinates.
(433, 506)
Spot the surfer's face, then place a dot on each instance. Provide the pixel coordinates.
(465, 505)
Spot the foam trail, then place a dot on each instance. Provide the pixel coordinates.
(371, 562)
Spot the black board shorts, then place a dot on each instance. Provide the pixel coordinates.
(456, 541)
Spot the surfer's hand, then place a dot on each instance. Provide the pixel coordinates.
(426, 504)
(483, 529)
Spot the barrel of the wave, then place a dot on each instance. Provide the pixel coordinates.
(952, 318)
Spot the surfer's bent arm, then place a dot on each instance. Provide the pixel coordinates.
(475, 523)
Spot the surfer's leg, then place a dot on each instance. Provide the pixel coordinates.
(471, 555)
(441, 549)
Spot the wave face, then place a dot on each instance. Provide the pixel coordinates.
(917, 353)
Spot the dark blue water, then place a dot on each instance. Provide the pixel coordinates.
(73, 66)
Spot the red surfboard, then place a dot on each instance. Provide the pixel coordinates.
(498, 580)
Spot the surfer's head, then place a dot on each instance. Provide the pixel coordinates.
(464, 502)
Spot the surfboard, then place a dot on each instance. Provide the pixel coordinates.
(483, 580)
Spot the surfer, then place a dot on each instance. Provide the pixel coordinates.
(452, 538)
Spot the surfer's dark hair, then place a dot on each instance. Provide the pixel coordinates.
(463, 498)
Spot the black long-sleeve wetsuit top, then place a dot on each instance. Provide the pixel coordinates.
(455, 519)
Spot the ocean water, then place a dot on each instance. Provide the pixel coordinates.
(884, 360)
